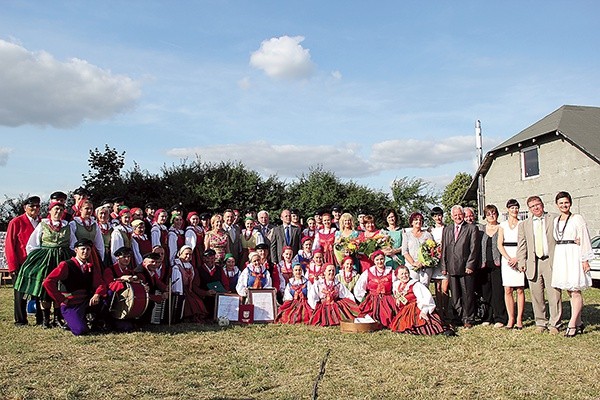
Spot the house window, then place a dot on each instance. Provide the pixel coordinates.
(530, 165)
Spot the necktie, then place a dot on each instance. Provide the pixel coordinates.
(538, 236)
(287, 235)
(456, 230)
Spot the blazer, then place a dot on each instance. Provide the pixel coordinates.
(278, 241)
(526, 244)
(462, 253)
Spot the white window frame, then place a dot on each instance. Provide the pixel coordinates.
(523, 151)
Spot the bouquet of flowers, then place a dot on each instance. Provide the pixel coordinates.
(430, 253)
(377, 242)
(347, 245)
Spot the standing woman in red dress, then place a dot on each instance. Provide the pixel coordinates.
(194, 237)
(369, 232)
(325, 238)
(374, 290)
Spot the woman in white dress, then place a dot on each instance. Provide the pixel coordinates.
(512, 277)
(570, 267)
(440, 280)
(411, 243)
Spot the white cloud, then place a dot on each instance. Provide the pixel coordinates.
(4, 152)
(336, 75)
(415, 153)
(290, 160)
(283, 58)
(37, 89)
(284, 160)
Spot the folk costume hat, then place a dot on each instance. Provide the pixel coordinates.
(122, 251)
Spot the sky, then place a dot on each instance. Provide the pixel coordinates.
(372, 91)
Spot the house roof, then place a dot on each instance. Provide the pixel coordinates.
(579, 125)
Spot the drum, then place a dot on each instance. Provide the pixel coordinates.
(130, 302)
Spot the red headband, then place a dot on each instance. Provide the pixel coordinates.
(190, 215)
(376, 253)
(157, 213)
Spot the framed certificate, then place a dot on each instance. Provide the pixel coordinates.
(228, 306)
(265, 304)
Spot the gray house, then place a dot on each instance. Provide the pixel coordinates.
(559, 152)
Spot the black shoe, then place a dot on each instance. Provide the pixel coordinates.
(19, 324)
(579, 329)
(47, 325)
(449, 333)
(59, 322)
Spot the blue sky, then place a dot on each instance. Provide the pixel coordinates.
(372, 92)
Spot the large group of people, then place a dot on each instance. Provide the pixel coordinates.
(100, 261)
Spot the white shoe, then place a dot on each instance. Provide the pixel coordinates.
(498, 325)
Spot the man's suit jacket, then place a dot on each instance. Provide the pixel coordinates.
(526, 249)
(235, 241)
(278, 241)
(266, 232)
(17, 234)
(462, 253)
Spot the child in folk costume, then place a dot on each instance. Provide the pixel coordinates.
(186, 282)
(348, 275)
(276, 278)
(140, 243)
(416, 314)
(315, 268)
(305, 254)
(285, 265)
(121, 235)
(47, 246)
(194, 237)
(76, 284)
(83, 226)
(374, 290)
(255, 276)
(176, 236)
(296, 308)
(231, 270)
(331, 300)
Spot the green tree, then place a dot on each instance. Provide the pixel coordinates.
(410, 195)
(104, 179)
(454, 192)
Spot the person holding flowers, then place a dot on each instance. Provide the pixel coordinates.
(370, 240)
(344, 237)
(419, 250)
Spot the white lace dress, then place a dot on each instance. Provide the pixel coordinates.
(567, 271)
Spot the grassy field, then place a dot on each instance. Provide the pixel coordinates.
(282, 362)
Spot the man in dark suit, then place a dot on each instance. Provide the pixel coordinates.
(460, 250)
(17, 234)
(284, 235)
(235, 234)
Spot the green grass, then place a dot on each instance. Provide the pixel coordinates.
(282, 362)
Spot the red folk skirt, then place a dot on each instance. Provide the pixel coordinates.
(331, 313)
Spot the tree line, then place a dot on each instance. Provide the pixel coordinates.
(214, 187)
